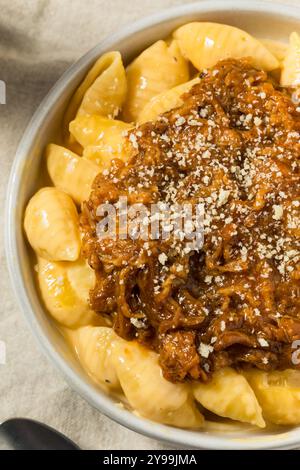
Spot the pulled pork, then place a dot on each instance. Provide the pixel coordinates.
(233, 146)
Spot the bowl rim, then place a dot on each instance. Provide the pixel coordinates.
(98, 399)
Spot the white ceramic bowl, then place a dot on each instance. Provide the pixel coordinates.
(261, 19)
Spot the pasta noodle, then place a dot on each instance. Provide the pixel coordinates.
(71, 173)
(141, 380)
(102, 92)
(228, 394)
(95, 349)
(98, 130)
(278, 49)
(278, 393)
(102, 138)
(51, 225)
(65, 290)
(103, 156)
(158, 68)
(204, 44)
(290, 74)
(165, 101)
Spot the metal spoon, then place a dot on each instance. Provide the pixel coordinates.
(27, 434)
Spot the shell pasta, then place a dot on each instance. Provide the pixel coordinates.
(181, 338)
(95, 347)
(290, 75)
(139, 374)
(158, 68)
(217, 41)
(51, 225)
(71, 173)
(65, 289)
(165, 101)
(102, 139)
(102, 92)
(230, 395)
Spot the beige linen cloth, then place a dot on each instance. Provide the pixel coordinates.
(39, 39)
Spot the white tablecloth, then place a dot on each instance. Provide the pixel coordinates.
(39, 39)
